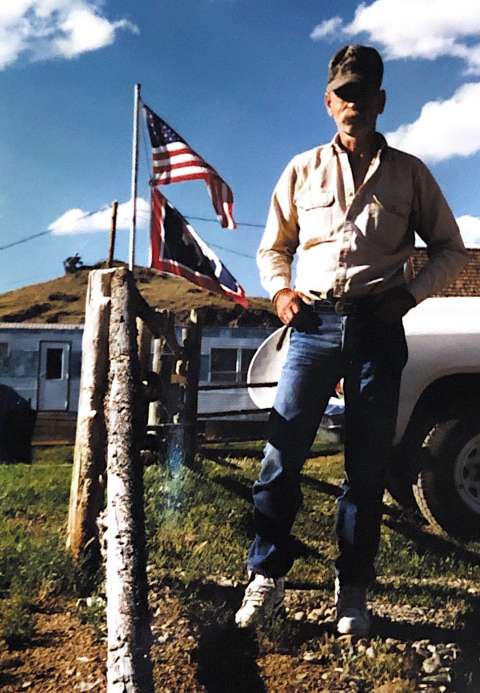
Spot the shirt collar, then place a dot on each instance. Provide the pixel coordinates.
(381, 146)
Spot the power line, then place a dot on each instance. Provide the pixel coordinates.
(144, 214)
(239, 223)
(140, 213)
(44, 233)
(24, 240)
(234, 252)
(212, 219)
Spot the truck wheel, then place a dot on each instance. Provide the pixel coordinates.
(447, 489)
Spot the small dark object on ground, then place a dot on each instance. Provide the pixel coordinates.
(17, 420)
(72, 264)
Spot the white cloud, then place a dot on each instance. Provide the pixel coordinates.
(76, 221)
(326, 28)
(470, 230)
(443, 128)
(42, 29)
(424, 29)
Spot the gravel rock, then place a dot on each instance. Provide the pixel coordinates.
(85, 686)
(309, 656)
(442, 678)
(431, 664)
(316, 615)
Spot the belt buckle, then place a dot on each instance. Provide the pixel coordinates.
(339, 307)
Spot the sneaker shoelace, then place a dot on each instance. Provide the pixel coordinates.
(257, 593)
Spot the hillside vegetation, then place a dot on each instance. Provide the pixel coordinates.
(62, 300)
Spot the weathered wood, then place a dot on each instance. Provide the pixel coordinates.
(181, 445)
(113, 233)
(162, 365)
(192, 346)
(159, 322)
(144, 345)
(129, 637)
(87, 486)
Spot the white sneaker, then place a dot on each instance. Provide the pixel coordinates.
(353, 617)
(263, 598)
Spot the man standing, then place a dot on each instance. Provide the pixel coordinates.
(349, 211)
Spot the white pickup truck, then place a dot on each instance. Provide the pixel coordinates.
(436, 460)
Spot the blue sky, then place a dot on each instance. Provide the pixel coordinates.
(241, 80)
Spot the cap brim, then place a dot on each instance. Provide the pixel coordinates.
(342, 80)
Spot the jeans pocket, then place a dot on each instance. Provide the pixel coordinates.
(307, 320)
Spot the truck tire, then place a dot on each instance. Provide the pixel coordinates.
(447, 489)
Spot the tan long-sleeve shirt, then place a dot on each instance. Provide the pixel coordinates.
(355, 243)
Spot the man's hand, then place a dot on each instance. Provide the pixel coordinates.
(287, 305)
(394, 305)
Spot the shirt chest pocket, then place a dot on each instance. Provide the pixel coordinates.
(388, 223)
(315, 210)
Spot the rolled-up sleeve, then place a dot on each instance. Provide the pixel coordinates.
(435, 224)
(280, 238)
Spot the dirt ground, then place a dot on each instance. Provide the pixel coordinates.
(197, 649)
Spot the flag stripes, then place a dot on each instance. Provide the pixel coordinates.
(175, 161)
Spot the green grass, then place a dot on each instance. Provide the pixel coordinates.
(33, 562)
(199, 527)
(199, 524)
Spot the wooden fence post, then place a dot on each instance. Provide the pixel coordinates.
(192, 345)
(182, 441)
(144, 345)
(162, 365)
(87, 487)
(129, 637)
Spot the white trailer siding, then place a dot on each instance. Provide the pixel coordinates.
(21, 346)
(42, 363)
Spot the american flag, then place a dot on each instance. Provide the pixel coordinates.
(175, 161)
(176, 248)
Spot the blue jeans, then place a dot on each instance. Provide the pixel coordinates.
(370, 355)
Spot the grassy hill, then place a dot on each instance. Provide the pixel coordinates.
(62, 300)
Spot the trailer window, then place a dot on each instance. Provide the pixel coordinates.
(230, 365)
(3, 356)
(246, 357)
(54, 363)
(223, 365)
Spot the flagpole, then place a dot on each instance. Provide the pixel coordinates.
(133, 220)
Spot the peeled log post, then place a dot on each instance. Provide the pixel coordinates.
(86, 491)
(192, 345)
(129, 638)
(162, 365)
(144, 345)
(182, 439)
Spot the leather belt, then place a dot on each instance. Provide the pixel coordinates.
(342, 306)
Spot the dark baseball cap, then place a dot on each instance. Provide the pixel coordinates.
(354, 63)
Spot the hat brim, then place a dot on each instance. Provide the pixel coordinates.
(351, 78)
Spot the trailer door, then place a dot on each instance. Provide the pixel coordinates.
(54, 378)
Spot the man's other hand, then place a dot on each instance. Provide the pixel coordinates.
(393, 305)
(287, 305)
